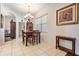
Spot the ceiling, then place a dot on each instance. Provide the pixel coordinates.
(22, 8)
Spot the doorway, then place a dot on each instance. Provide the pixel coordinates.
(10, 28)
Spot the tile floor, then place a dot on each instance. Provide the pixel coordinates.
(16, 48)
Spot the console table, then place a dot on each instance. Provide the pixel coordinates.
(72, 51)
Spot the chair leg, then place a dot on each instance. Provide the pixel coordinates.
(23, 40)
(26, 41)
(36, 41)
(33, 40)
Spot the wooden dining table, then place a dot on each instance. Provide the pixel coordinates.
(30, 34)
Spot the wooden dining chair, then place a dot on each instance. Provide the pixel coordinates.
(36, 35)
(23, 36)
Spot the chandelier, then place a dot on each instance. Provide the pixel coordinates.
(29, 15)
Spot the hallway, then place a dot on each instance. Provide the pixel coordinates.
(48, 19)
(16, 48)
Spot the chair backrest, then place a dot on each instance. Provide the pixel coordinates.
(29, 26)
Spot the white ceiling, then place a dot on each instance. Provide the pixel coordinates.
(22, 8)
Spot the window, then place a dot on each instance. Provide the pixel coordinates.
(41, 23)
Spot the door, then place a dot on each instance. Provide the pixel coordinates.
(13, 29)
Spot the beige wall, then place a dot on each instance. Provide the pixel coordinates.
(53, 30)
(1, 31)
(0, 8)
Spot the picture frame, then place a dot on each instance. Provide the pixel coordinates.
(67, 15)
(1, 21)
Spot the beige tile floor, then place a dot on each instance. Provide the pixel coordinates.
(16, 48)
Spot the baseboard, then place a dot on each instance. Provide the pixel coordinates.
(76, 55)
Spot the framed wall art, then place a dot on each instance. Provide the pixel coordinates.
(1, 21)
(67, 15)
